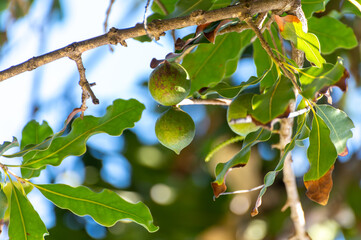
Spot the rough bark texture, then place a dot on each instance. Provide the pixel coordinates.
(289, 179)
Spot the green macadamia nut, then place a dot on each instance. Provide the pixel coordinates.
(169, 83)
(175, 129)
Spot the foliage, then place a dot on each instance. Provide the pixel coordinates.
(209, 59)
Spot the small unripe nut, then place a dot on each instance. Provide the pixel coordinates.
(175, 129)
(169, 83)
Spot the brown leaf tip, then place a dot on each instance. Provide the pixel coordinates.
(218, 189)
(344, 153)
(281, 21)
(319, 190)
(257, 205)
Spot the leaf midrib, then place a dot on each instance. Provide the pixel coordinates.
(88, 201)
(75, 139)
(209, 56)
(20, 212)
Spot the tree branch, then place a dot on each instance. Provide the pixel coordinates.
(289, 178)
(155, 28)
(268, 49)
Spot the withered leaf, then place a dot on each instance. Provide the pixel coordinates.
(218, 189)
(319, 190)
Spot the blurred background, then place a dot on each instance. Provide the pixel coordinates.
(176, 188)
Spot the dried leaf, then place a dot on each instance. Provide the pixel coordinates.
(291, 29)
(319, 190)
(218, 189)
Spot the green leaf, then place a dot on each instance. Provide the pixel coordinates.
(271, 176)
(314, 79)
(311, 6)
(232, 64)
(119, 116)
(185, 7)
(208, 63)
(25, 223)
(220, 4)
(274, 102)
(332, 38)
(7, 145)
(169, 6)
(339, 124)
(263, 61)
(241, 158)
(34, 133)
(106, 207)
(3, 202)
(222, 145)
(8, 189)
(33, 138)
(291, 29)
(226, 90)
(321, 153)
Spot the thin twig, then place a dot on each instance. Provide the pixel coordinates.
(271, 54)
(165, 12)
(249, 119)
(84, 84)
(218, 101)
(243, 191)
(259, 24)
(107, 14)
(156, 28)
(145, 19)
(8, 171)
(269, 28)
(240, 27)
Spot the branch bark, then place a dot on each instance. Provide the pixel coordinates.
(289, 178)
(155, 28)
(285, 133)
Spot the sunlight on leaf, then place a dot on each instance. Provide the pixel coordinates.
(321, 152)
(339, 36)
(119, 116)
(274, 102)
(315, 79)
(25, 223)
(311, 6)
(291, 29)
(201, 63)
(339, 124)
(8, 145)
(105, 207)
